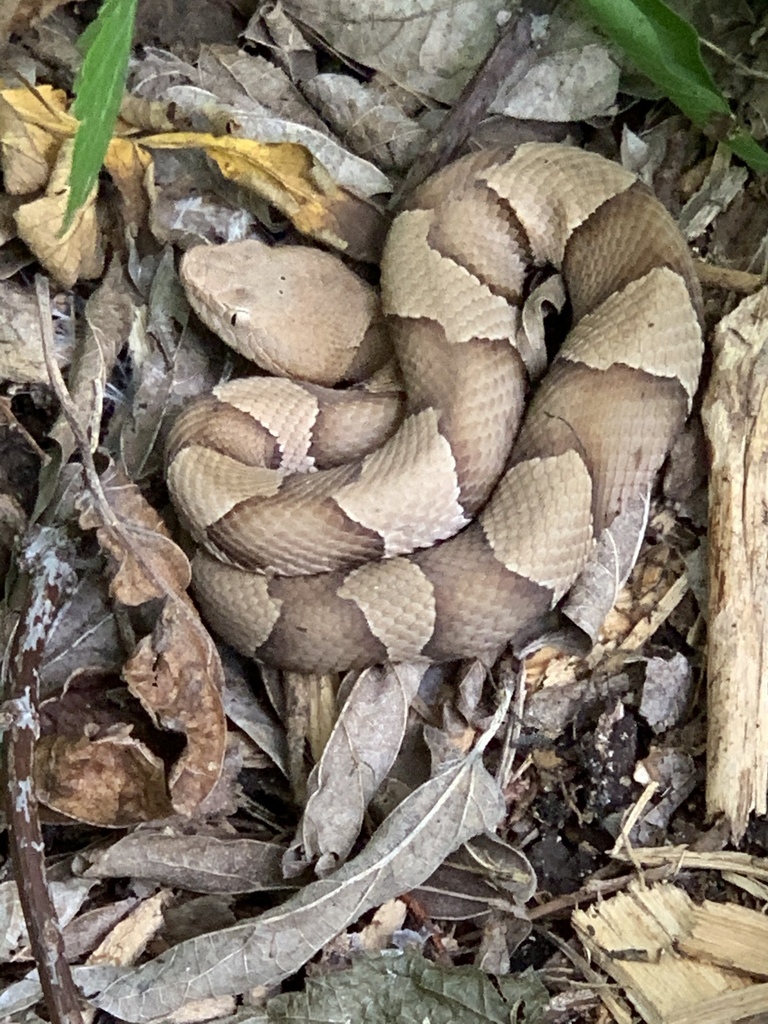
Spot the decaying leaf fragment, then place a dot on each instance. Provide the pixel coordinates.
(112, 781)
(461, 801)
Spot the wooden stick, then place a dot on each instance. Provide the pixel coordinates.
(735, 415)
(47, 559)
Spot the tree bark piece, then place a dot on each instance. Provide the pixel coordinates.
(735, 416)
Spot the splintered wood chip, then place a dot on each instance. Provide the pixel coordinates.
(679, 963)
(735, 420)
(729, 935)
(130, 936)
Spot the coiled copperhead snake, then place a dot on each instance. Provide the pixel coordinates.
(313, 563)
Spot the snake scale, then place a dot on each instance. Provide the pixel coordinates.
(341, 529)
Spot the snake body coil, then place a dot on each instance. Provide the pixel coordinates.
(452, 531)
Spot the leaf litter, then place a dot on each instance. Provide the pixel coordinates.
(133, 691)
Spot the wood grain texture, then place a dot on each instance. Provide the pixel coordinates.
(455, 532)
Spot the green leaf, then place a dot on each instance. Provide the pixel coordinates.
(99, 90)
(406, 988)
(665, 47)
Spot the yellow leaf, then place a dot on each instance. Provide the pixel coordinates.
(287, 175)
(75, 254)
(33, 125)
(127, 165)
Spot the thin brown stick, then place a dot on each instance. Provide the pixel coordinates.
(710, 275)
(47, 561)
(510, 60)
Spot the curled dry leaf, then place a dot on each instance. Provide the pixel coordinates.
(288, 176)
(78, 251)
(127, 165)
(358, 755)
(98, 759)
(32, 125)
(177, 676)
(484, 875)
(176, 672)
(460, 802)
(109, 314)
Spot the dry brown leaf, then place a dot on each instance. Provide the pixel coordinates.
(21, 345)
(237, 77)
(33, 124)
(369, 118)
(427, 46)
(358, 755)
(175, 672)
(23, 14)
(78, 251)
(485, 875)
(109, 315)
(287, 176)
(68, 895)
(177, 676)
(155, 567)
(596, 590)
(200, 863)
(460, 802)
(111, 781)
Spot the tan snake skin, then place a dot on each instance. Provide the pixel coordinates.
(341, 529)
